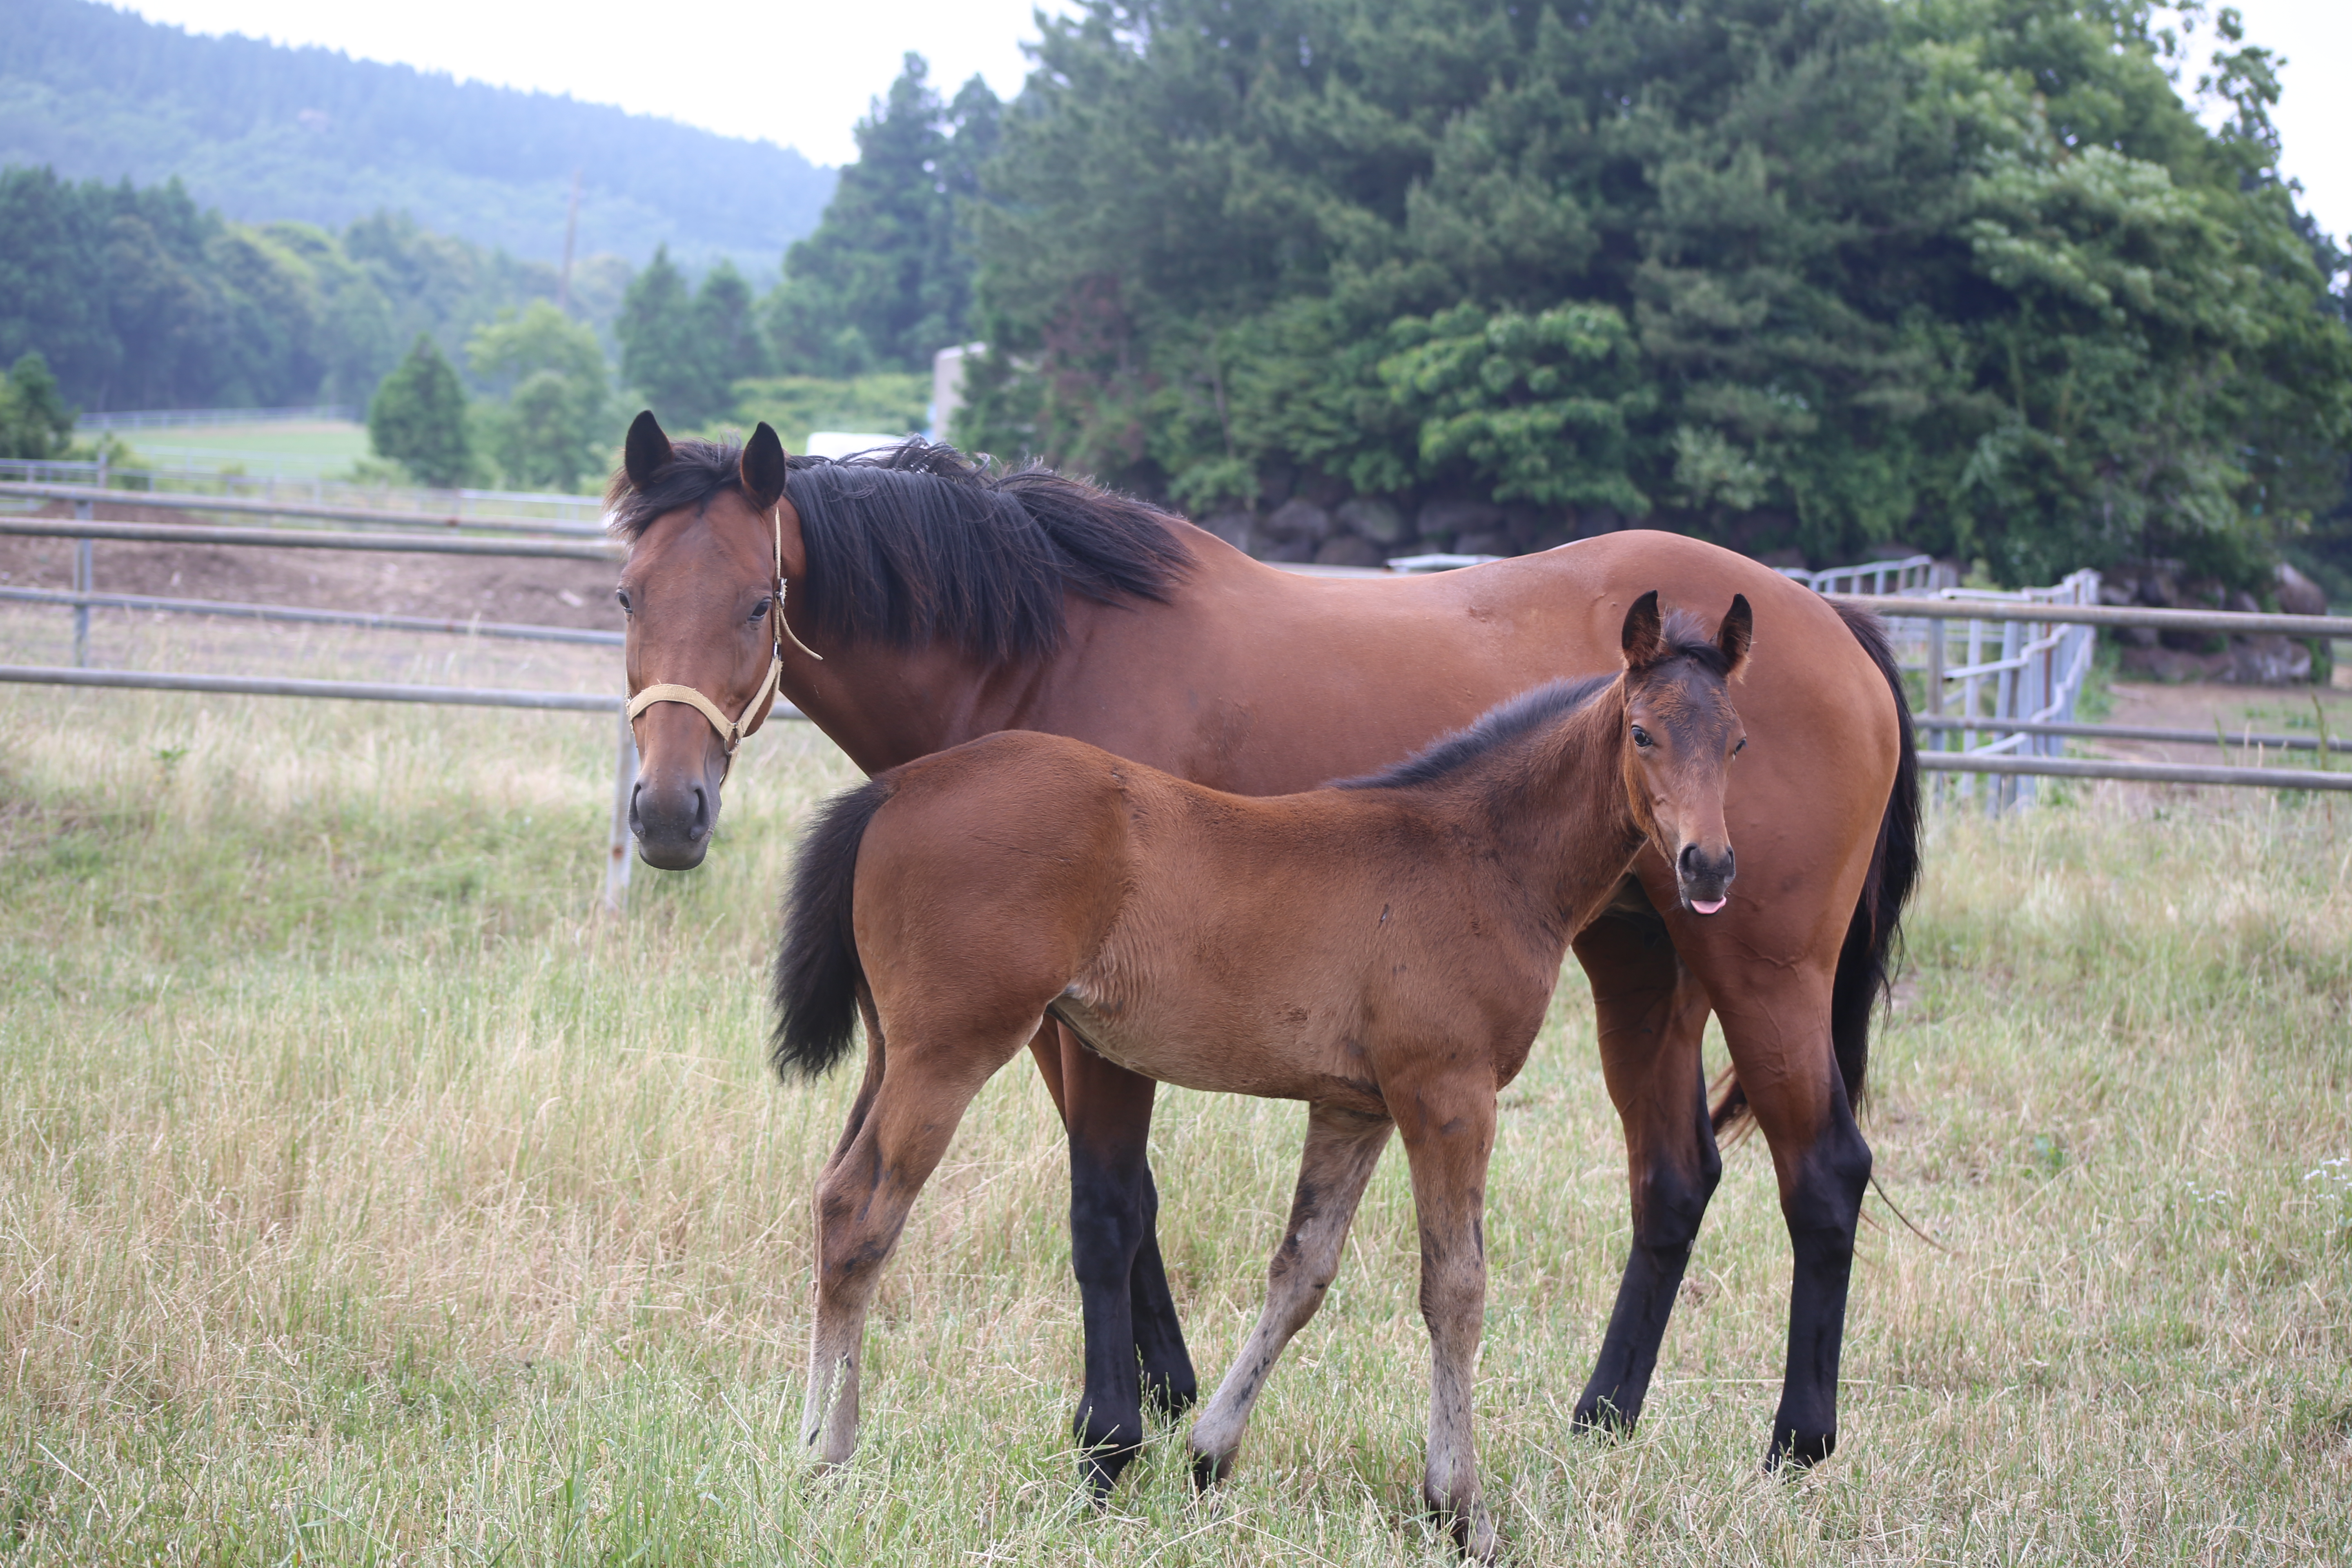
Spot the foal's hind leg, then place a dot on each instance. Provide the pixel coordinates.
(1342, 1147)
(861, 1204)
(1651, 1013)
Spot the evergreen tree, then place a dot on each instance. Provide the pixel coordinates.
(1779, 272)
(727, 331)
(34, 419)
(885, 280)
(661, 361)
(417, 419)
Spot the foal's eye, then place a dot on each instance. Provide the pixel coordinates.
(1640, 737)
(623, 596)
(760, 610)
(1741, 747)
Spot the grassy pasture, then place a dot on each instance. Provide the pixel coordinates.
(364, 1198)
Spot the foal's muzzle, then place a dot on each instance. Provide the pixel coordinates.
(1704, 878)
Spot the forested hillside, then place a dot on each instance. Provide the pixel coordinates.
(1350, 275)
(139, 299)
(268, 134)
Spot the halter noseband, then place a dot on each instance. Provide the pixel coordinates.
(755, 712)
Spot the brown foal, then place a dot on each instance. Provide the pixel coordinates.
(1384, 950)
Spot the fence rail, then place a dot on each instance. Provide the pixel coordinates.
(278, 486)
(306, 539)
(187, 501)
(234, 611)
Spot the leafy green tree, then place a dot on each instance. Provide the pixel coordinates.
(34, 419)
(885, 280)
(557, 419)
(417, 418)
(1965, 271)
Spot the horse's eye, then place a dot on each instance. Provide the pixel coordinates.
(1741, 747)
(760, 610)
(623, 596)
(1640, 737)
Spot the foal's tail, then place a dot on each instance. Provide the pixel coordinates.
(817, 972)
(1862, 968)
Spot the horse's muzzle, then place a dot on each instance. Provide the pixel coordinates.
(672, 823)
(1704, 879)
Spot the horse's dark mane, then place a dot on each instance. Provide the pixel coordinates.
(918, 541)
(1533, 710)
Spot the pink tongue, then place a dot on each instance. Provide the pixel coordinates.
(1707, 906)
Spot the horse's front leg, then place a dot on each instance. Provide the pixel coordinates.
(897, 1135)
(1449, 1136)
(1651, 1012)
(1134, 1345)
(1342, 1148)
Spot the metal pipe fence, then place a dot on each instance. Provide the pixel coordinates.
(183, 501)
(428, 505)
(2026, 653)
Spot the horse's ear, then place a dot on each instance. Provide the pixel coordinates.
(1644, 638)
(763, 467)
(1733, 638)
(647, 451)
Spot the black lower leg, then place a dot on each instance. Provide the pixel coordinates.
(1168, 1378)
(1823, 1208)
(1107, 1231)
(1669, 1202)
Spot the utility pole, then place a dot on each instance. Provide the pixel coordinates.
(570, 234)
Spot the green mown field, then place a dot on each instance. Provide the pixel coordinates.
(366, 1197)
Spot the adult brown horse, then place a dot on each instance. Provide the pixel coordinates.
(1383, 951)
(948, 603)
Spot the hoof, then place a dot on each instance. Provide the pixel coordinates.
(1793, 1451)
(1208, 1469)
(1105, 1452)
(1170, 1393)
(1600, 1419)
(1472, 1528)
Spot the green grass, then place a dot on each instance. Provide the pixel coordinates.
(365, 1198)
(296, 447)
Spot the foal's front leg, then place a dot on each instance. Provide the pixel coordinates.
(1342, 1147)
(1449, 1136)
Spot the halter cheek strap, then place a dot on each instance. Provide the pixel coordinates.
(755, 712)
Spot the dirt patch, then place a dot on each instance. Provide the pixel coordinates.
(536, 593)
(2236, 710)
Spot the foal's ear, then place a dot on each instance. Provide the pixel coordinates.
(1738, 630)
(1644, 638)
(763, 467)
(647, 450)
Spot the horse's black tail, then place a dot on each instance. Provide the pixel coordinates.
(1870, 936)
(817, 972)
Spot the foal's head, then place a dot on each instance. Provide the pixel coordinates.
(1681, 734)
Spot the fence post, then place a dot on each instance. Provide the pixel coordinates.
(82, 582)
(624, 783)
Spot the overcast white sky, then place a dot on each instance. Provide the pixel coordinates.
(802, 74)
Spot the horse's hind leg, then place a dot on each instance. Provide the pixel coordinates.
(1449, 1136)
(876, 1056)
(862, 1202)
(1780, 1043)
(1652, 1012)
(1342, 1147)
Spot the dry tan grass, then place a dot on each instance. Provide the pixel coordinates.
(363, 1198)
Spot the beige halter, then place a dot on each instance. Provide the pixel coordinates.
(755, 712)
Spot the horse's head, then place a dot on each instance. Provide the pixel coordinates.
(714, 546)
(1681, 736)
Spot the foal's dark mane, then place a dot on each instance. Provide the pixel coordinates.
(918, 541)
(1535, 709)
